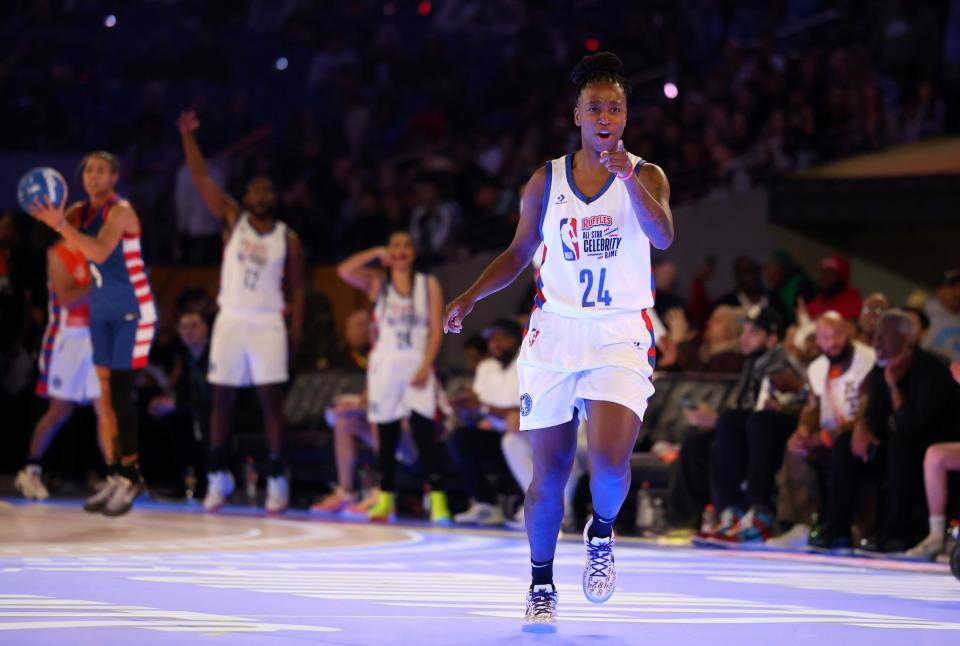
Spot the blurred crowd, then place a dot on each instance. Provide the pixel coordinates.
(373, 115)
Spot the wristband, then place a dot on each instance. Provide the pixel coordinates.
(627, 176)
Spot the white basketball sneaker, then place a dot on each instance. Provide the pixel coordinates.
(541, 614)
(29, 482)
(480, 513)
(125, 491)
(278, 494)
(599, 575)
(220, 485)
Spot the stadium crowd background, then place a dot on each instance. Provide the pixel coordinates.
(373, 116)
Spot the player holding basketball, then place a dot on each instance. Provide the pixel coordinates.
(589, 345)
(249, 346)
(122, 313)
(401, 384)
(67, 376)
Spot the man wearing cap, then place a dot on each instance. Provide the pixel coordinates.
(836, 293)
(486, 412)
(749, 422)
(944, 313)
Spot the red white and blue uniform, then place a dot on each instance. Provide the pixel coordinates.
(123, 315)
(589, 336)
(66, 356)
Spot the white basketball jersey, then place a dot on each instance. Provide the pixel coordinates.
(595, 256)
(251, 277)
(402, 322)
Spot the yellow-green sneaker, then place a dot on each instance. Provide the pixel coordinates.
(384, 510)
(439, 510)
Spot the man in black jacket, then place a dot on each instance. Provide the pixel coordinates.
(911, 403)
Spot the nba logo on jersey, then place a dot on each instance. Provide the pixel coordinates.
(569, 239)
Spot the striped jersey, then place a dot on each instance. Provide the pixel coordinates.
(595, 257)
(121, 289)
(253, 269)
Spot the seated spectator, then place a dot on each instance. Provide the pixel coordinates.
(835, 293)
(718, 353)
(944, 313)
(874, 306)
(837, 388)
(185, 406)
(787, 282)
(911, 404)
(488, 410)
(748, 291)
(695, 483)
(665, 283)
(920, 321)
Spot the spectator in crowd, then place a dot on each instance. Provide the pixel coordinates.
(694, 483)
(748, 291)
(874, 306)
(475, 351)
(838, 380)
(836, 293)
(747, 452)
(665, 285)
(920, 321)
(944, 313)
(487, 411)
(185, 407)
(719, 351)
(911, 404)
(434, 222)
(788, 282)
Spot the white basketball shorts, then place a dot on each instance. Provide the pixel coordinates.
(565, 361)
(248, 350)
(390, 395)
(66, 366)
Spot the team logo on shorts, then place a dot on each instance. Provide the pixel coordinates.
(569, 239)
(526, 403)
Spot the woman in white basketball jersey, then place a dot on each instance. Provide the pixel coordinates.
(401, 385)
(589, 344)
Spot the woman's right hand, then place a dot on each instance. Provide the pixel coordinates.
(383, 256)
(456, 312)
(188, 122)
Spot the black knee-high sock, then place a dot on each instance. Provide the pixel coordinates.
(387, 454)
(121, 396)
(424, 435)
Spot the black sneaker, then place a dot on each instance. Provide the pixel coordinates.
(882, 544)
(825, 541)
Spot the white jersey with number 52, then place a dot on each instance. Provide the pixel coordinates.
(251, 277)
(595, 256)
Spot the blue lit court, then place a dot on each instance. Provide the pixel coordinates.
(167, 574)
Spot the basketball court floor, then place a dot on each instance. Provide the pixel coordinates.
(169, 574)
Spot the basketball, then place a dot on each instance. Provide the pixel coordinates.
(39, 183)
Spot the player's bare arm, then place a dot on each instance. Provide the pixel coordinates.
(120, 219)
(64, 286)
(507, 266)
(296, 287)
(224, 207)
(356, 270)
(649, 193)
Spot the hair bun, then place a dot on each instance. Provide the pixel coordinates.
(601, 62)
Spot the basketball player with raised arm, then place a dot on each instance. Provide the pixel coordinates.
(123, 317)
(589, 346)
(249, 346)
